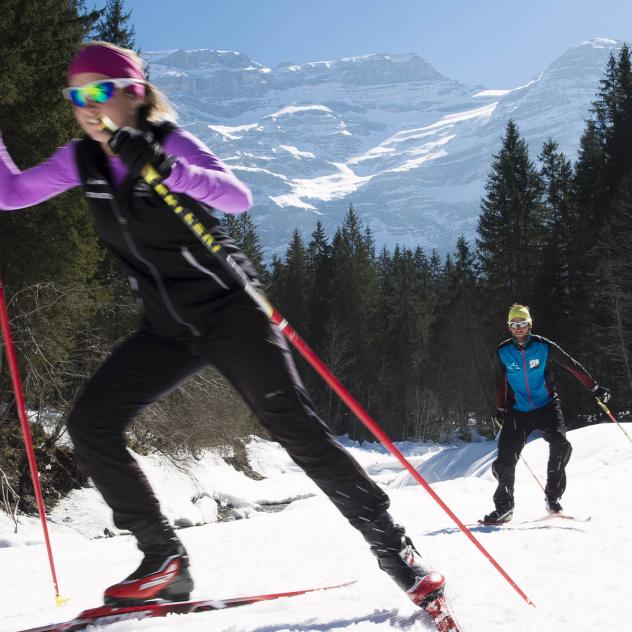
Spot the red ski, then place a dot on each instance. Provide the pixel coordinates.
(439, 611)
(105, 615)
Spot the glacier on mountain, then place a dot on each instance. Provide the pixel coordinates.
(407, 146)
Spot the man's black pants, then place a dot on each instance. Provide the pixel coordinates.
(254, 356)
(513, 437)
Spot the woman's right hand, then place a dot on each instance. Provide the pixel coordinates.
(138, 149)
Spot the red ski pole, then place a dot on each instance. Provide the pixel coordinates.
(368, 421)
(153, 179)
(26, 431)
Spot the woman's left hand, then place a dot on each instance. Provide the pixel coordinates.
(138, 149)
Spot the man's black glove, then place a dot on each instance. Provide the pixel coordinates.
(137, 149)
(500, 416)
(602, 393)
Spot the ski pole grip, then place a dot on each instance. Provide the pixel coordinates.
(107, 124)
(148, 172)
(604, 407)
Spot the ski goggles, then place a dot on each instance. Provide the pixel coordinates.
(97, 91)
(519, 324)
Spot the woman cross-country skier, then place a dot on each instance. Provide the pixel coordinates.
(192, 317)
(526, 400)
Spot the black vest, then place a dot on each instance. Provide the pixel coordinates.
(179, 284)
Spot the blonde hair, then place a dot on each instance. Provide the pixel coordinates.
(157, 106)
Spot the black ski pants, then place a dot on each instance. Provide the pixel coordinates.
(514, 434)
(254, 356)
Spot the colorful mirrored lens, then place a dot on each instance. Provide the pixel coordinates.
(99, 92)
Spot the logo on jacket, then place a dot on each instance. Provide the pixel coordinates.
(512, 366)
(534, 364)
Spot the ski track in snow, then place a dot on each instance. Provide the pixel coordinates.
(577, 574)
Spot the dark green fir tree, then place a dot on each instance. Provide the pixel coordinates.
(114, 25)
(510, 226)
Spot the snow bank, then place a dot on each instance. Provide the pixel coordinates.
(577, 574)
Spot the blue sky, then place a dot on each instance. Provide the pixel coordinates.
(496, 43)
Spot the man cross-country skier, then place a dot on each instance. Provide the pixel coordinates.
(192, 316)
(526, 400)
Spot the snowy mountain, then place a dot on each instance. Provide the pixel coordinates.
(576, 573)
(410, 148)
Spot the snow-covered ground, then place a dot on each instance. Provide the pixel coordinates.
(578, 574)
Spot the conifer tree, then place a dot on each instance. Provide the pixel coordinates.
(510, 226)
(458, 360)
(436, 271)
(424, 274)
(613, 293)
(319, 258)
(242, 229)
(603, 165)
(553, 293)
(354, 296)
(613, 117)
(48, 254)
(589, 181)
(114, 27)
(292, 284)
(605, 105)
(608, 285)
(590, 198)
(476, 374)
(355, 280)
(276, 272)
(403, 333)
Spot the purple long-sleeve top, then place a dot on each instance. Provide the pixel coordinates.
(196, 172)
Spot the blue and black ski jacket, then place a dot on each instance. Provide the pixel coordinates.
(524, 374)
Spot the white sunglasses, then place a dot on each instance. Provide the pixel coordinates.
(97, 91)
(519, 324)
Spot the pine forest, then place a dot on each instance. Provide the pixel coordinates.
(411, 334)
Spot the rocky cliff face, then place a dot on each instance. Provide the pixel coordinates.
(409, 148)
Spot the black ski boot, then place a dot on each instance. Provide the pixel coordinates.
(163, 574)
(553, 506)
(397, 556)
(405, 566)
(498, 517)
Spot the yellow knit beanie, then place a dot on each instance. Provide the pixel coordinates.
(519, 311)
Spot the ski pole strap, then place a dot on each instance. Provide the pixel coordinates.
(612, 417)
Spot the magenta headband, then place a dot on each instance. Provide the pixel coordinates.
(110, 62)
